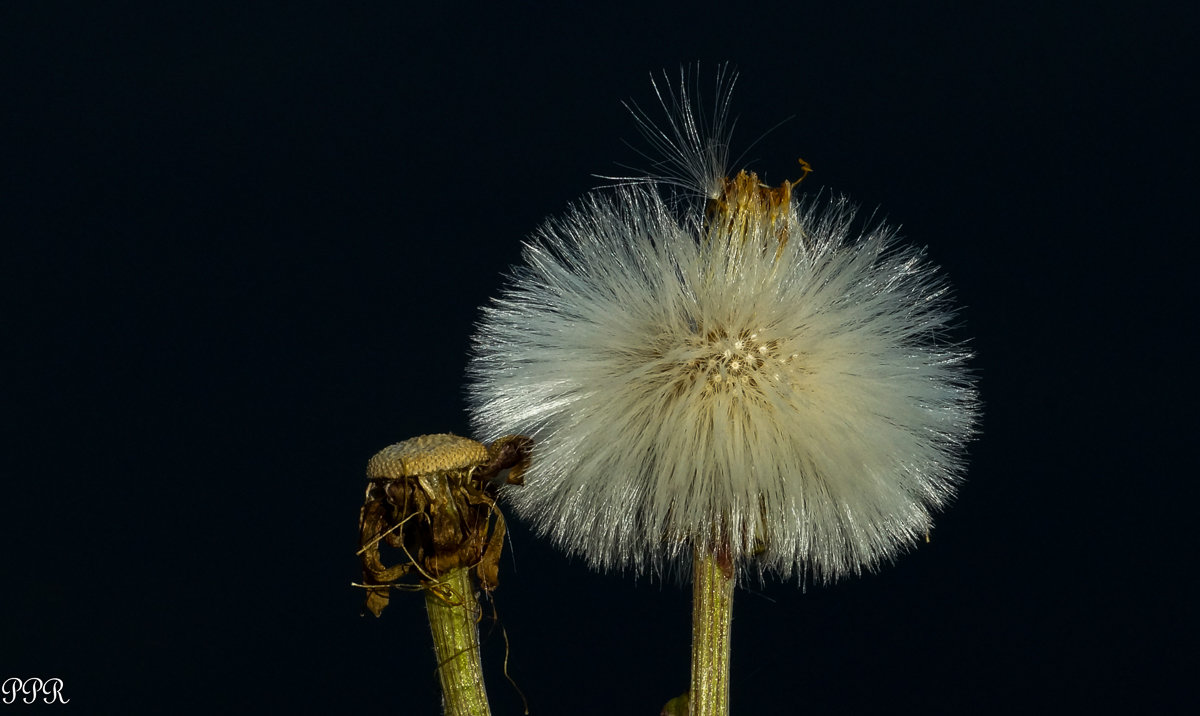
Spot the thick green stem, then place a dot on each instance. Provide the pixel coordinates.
(712, 611)
(454, 620)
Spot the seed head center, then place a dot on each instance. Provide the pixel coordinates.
(739, 361)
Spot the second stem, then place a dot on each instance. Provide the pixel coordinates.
(453, 619)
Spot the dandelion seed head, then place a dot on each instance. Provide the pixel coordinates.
(764, 378)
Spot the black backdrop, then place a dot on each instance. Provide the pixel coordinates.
(244, 249)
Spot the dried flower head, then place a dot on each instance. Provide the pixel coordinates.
(432, 499)
(727, 368)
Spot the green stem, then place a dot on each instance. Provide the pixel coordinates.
(712, 611)
(453, 619)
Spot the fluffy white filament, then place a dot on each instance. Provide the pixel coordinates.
(792, 405)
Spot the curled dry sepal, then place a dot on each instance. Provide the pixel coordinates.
(432, 499)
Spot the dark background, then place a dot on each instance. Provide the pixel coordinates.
(245, 249)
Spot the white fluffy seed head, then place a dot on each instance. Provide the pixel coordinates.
(773, 387)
